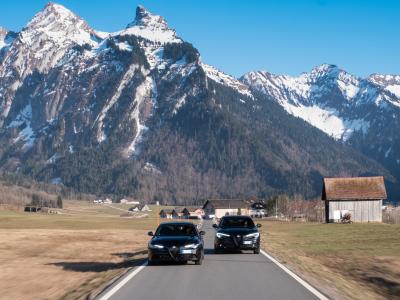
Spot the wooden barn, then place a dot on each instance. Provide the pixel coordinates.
(361, 197)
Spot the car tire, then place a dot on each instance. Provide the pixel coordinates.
(217, 250)
(257, 251)
(150, 263)
(199, 262)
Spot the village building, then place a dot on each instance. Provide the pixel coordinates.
(168, 213)
(128, 201)
(361, 197)
(195, 212)
(220, 208)
(182, 212)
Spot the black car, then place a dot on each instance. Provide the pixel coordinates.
(176, 242)
(237, 233)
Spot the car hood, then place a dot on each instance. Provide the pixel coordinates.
(237, 231)
(178, 241)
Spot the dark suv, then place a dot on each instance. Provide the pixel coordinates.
(237, 233)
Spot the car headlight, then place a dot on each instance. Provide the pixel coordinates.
(193, 245)
(253, 235)
(156, 246)
(221, 235)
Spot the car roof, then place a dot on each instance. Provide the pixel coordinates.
(177, 223)
(236, 217)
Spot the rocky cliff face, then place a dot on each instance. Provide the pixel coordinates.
(137, 112)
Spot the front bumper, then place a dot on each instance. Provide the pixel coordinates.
(177, 254)
(236, 243)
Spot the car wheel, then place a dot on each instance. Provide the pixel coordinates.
(217, 250)
(199, 262)
(257, 251)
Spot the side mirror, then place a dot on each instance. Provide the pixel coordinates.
(202, 232)
(215, 225)
(258, 225)
(150, 233)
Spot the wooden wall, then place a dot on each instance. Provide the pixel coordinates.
(360, 210)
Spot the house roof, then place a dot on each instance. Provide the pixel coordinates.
(227, 203)
(354, 188)
(168, 210)
(193, 208)
(180, 209)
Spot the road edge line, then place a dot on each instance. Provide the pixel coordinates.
(107, 295)
(304, 283)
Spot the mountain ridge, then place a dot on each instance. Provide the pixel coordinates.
(103, 107)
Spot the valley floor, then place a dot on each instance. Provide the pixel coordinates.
(68, 255)
(345, 261)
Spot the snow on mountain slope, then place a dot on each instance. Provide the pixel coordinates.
(329, 98)
(6, 38)
(225, 79)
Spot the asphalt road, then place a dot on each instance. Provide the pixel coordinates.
(221, 276)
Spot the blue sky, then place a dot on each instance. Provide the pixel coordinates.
(280, 36)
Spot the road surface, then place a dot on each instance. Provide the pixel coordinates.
(221, 276)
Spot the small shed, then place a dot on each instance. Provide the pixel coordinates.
(220, 208)
(362, 197)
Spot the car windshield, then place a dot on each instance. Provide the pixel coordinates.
(176, 230)
(236, 223)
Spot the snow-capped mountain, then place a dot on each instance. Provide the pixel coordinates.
(329, 98)
(363, 112)
(92, 109)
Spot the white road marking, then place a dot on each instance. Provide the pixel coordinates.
(313, 290)
(120, 284)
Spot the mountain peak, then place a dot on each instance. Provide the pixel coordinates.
(325, 68)
(151, 27)
(58, 24)
(146, 19)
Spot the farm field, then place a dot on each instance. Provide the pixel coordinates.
(345, 261)
(68, 255)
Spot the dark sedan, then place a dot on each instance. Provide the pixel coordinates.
(237, 233)
(176, 242)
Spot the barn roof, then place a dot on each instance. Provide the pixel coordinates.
(227, 203)
(354, 188)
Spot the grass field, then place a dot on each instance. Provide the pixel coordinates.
(356, 261)
(71, 254)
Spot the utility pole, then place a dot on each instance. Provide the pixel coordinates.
(276, 207)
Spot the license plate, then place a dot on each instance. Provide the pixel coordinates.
(247, 242)
(186, 251)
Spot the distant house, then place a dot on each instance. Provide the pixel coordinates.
(145, 207)
(220, 208)
(195, 212)
(168, 213)
(133, 209)
(30, 208)
(182, 212)
(257, 209)
(361, 197)
(128, 201)
(108, 201)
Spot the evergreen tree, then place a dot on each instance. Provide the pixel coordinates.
(59, 202)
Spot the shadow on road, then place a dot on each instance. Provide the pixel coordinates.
(130, 260)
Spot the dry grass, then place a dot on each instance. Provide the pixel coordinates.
(68, 255)
(357, 261)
